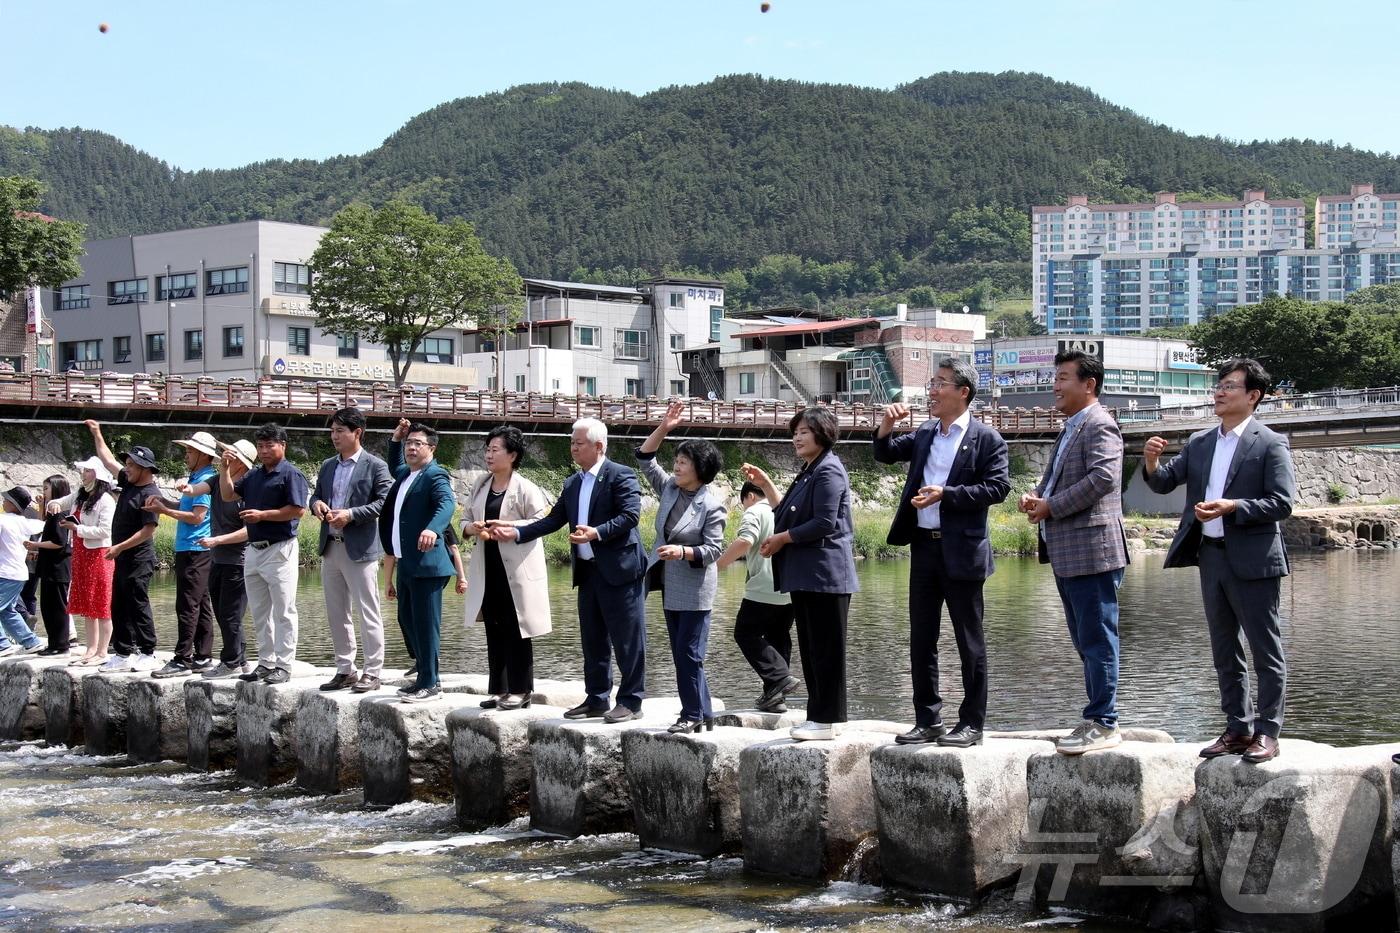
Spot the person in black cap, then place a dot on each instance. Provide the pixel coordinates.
(133, 626)
(15, 530)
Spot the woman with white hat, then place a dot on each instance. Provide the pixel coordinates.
(89, 519)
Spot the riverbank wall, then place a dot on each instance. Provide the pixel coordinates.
(1145, 833)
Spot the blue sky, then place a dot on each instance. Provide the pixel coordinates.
(219, 84)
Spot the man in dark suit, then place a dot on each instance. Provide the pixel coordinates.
(1239, 486)
(412, 527)
(958, 467)
(1078, 508)
(349, 495)
(601, 505)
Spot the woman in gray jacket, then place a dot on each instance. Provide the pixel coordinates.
(689, 539)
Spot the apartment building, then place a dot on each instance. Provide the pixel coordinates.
(1362, 219)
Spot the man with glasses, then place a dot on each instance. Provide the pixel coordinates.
(1239, 487)
(958, 468)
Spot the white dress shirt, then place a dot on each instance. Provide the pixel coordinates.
(585, 497)
(941, 454)
(1225, 446)
(398, 507)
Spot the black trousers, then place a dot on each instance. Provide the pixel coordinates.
(133, 627)
(763, 632)
(27, 594)
(510, 657)
(194, 611)
(230, 600)
(53, 603)
(821, 637)
(929, 588)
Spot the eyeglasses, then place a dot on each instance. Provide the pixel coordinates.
(939, 384)
(414, 442)
(1228, 386)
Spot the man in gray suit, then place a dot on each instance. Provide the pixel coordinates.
(350, 491)
(1239, 486)
(1078, 507)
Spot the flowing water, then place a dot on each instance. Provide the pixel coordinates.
(90, 841)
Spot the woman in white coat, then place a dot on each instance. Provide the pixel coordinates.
(507, 586)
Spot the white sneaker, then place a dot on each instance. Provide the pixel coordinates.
(144, 662)
(1088, 737)
(117, 664)
(813, 731)
(12, 649)
(35, 648)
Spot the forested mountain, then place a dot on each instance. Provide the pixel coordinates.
(713, 177)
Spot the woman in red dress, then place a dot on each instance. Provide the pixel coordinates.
(90, 522)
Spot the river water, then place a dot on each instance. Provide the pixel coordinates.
(92, 841)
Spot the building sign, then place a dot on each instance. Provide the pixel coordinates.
(982, 357)
(1087, 346)
(287, 307)
(34, 321)
(1189, 358)
(705, 294)
(308, 367)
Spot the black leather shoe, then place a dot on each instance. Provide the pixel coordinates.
(961, 737)
(584, 711)
(776, 694)
(256, 674)
(341, 682)
(920, 735)
(620, 713)
(1395, 758)
(278, 676)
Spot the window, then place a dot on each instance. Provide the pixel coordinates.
(588, 337)
(631, 345)
(746, 383)
(348, 347)
(84, 354)
(716, 315)
(914, 355)
(298, 341)
(171, 287)
(678, 387)
(678, 341)
(290, 278)
(677, 300)
(233, 341)
(226, 281)
(127, 291)
(121, 349)
(520, 383)
(155, 348)
(587, 385)
(434, 350)
(74, 296)
(194, 344)
(633, 388)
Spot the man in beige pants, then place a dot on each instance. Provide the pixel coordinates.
(349, 494)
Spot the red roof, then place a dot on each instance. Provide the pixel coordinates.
(34, 215)
(818, 327)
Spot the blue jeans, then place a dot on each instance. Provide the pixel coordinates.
(11, 621)
(1091, 610)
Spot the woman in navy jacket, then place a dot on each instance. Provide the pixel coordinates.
(813, 561)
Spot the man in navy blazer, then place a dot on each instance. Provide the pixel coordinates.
(601, 505)
(1239, 486)
(958, 468)
(412, 527)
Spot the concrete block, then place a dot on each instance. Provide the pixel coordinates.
(491, 762)
(1088, 818)
(105, 710)
(757, 719)
(211, 723)
(63, 705)
(685, 787)
(264, 714)
(807, 806)
(404, 750)
(1303, 842)
(326, 737)
(157, 725)
(949, 818)
(578, 786)
(22, 694)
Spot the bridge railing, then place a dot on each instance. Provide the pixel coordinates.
(1332, 400)
(273, 396)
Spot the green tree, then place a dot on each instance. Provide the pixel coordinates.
(396, 274)
(35, 250)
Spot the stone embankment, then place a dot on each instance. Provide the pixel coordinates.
(1146, 833)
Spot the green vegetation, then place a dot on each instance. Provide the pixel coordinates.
(34, 249)
(1336, 493)
(848, 192)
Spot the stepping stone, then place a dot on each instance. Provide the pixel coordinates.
(404, 749)
(758, 719)
(211, 723)
(157, 725)
(63, 705)
(105, 698)
(685, 787)
(265, 714)
(492, 763)
(22, 694)
(326, 736)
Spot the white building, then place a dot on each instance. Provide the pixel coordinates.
(1139, 372)
(1362, 219)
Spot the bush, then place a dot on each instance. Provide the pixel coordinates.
(1336, 492)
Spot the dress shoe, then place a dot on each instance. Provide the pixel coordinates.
(257, 673)
(1262, 749)
(585, 711)
(683, 725)
(513, 701)
(620, 713)
(368, 683)
(1229, 743)
(278, 676)
(920, 735)
(489, 703)
(961, 737)
(341, 682)
(776, 694)
(52, 652)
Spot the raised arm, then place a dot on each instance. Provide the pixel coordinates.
(104, 453)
